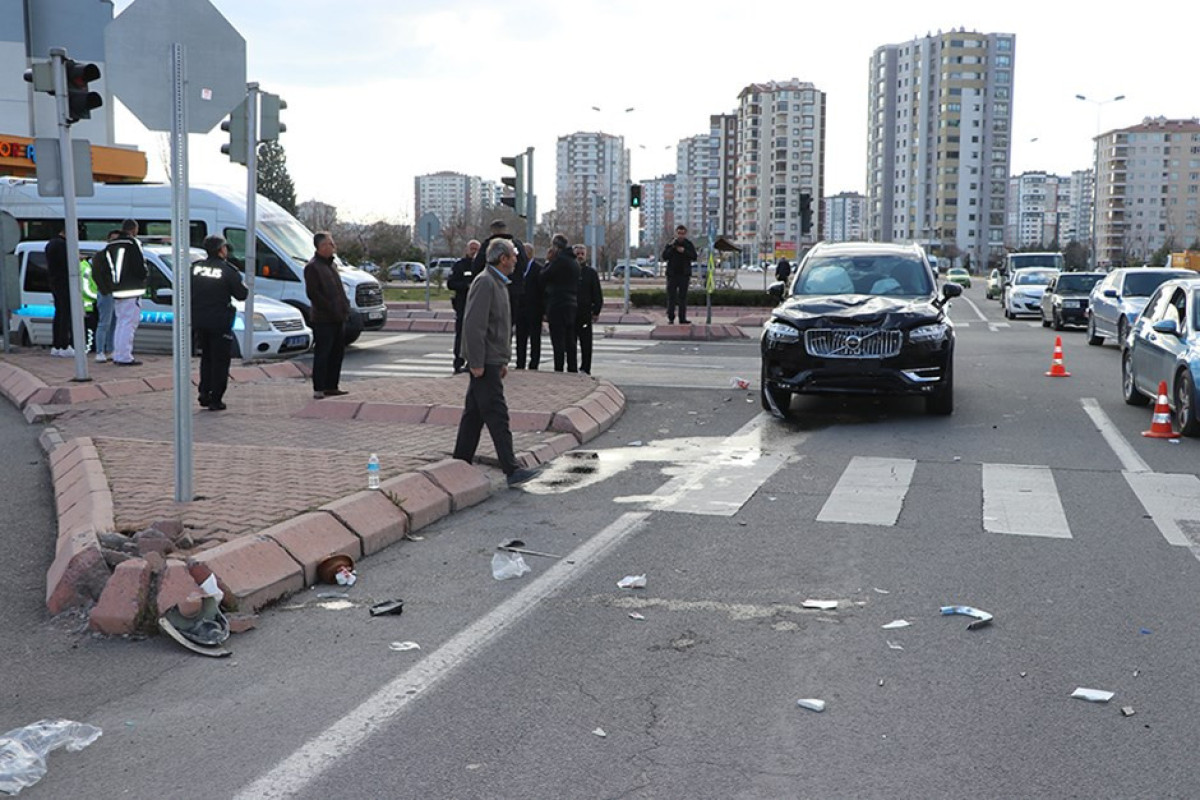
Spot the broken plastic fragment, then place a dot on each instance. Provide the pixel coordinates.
(211, 589)
(1127, 711)
(820, 605)
(632, 582)
(393, 607)
(738, 383)
(1093, 695)
(896, 624)
(981, 617)
(638, 443)
(877, 590)
(895, 646)
(636, 615)
(600, 732)
(811, 703)
(400, 647)
(507, 565)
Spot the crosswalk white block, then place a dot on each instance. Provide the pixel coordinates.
(871, 491)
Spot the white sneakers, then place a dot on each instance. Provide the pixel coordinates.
(66, 352)
(101, 358)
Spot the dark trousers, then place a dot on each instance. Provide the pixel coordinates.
(529, 338)
(677, 289)
(562, 337)
(329, 345)
(583, 334)
(459, 308)
(485, 405)
(90, 320)
(61, 334)
(216, 349)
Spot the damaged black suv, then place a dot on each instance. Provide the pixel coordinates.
(860, 318)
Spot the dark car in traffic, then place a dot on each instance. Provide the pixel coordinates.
(860, 318)
(1164, 346)
(1065, 301)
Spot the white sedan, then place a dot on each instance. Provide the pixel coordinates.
(1024, 290)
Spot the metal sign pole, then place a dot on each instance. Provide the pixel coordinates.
(66, 160)
(428, 263)
(8, 225)
(180, 242)
(251, 218)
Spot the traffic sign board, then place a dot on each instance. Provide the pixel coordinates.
(138, 46)
(429, 226)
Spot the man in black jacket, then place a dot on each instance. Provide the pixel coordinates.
(215, 284)
(60, 290)
(120, 271)
(679, 255)
(459, 282)
(330, 310)
(529, 319)
(516, 286)
(561, 279)
(590, 302)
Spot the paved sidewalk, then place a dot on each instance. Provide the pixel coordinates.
(279, 478)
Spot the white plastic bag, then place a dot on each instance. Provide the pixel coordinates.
(507, 565)
(23, 751)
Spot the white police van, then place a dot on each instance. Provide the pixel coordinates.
(279, 329)
(284, 244)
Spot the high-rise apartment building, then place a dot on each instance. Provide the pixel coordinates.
(698, 185)
(723, 129)
(781, 156)
(1079, 225)
(1039, 211)
(591, 174)
(1147, 189)
(844, 215)
(457, 199)
(938, 142)
(658, 212)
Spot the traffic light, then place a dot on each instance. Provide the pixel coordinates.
(41, 75)
(81, 101)
(235, 126)
(516, 182)
(805, 212)
(635, 195)
(269, 126)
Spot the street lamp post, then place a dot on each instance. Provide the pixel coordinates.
(1096, 174)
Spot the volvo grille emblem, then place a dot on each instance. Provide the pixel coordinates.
(853, 342)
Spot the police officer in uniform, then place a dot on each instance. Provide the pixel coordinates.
(215, 284)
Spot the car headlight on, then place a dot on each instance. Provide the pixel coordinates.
(780, 333)
(929, 333)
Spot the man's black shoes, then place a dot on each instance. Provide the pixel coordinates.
(521, 476)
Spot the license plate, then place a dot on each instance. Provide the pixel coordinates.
(374, 315)
(295, 341)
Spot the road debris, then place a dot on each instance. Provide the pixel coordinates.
(820, 605)
(1127, 711)
(601, 733)
(1093, 695)
(401, 647)
(738, 383)
(518, 546)
(877, 590)
(894, 645)
(896, 624)
(507, 565)
(203, 633)
(388, 607)
(337, 570)
(811, 703)
(23, 751)
(982, 618)
(636, 615)
(632, 582)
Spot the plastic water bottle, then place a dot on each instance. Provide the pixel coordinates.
(373, 472)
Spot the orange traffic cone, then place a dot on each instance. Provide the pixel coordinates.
(1160, 425)
(1057, 370)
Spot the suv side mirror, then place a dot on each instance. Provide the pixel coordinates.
(776, 291)
(951, 290)
(1167, 326)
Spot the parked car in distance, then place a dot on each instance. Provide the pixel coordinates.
(1065, 300)
(1023, 292)
(1164, 345)
(634, 272)
(995, 285)
(406, 271)
(960, 276)
(861, 318)
(1116, 301)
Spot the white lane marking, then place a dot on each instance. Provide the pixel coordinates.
(1130, 460)
(293, 774)
(995, 326)
(871, 491)
(974, 308)
(1172, 501)
(1022, 500)
(366, 344)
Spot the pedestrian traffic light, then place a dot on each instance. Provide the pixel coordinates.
(635, 195)
(516, 182)
(81, 101)
(269, 126)
(805, 212)
(235, 126)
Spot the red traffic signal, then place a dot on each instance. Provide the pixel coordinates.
(80, 101)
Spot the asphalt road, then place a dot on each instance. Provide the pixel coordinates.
(1034, 502)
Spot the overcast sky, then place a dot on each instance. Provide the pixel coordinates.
(380, 91)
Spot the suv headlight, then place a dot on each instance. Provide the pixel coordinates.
(260, 322)
(929, 333)
(780, 333)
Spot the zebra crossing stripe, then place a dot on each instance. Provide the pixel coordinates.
(870, 491)
(1022, 500)
(1172, 501)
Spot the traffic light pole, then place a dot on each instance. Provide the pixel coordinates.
(58, 57)
(251, 254)
(181, 299)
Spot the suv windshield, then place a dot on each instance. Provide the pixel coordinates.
(885, 274)
(1022, 260)
(1077, 283)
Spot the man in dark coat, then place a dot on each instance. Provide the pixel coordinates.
(561, 280)
(533, 308)
(783, 270)
(590, 302)
(679, 255)
(215, 284)
(516, 287)
(330, 310)
(459, 282)
(60, 290)
(120, 270)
